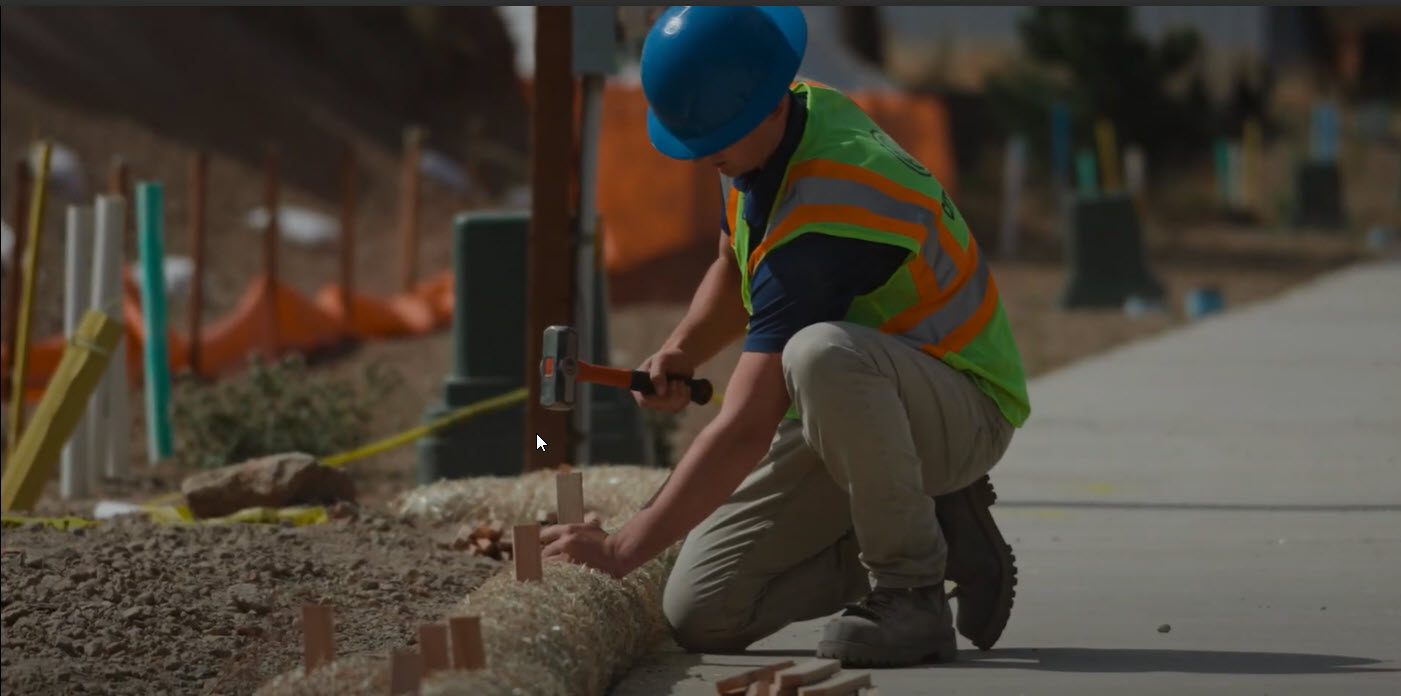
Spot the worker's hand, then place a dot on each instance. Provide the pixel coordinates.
(584, 544)
(670, 397)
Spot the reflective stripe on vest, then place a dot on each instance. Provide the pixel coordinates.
(956, 295)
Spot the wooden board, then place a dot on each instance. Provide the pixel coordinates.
(405, 672)
(809, 672)
(569, 494)
(433, 643)
(318, 636)
(843, 684)
(743, 679)
(467, 649)
(84, 359)
(526, 550)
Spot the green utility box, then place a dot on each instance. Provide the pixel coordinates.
(1320, 195)
(1107, 261)
(488, 351)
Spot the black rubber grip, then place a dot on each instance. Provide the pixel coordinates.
(701, 389)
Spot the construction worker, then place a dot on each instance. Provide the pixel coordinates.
(879, 381)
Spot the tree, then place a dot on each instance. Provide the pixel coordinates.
(1093, 60)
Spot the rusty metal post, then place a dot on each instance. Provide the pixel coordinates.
(408, 207)
(549, 251)
(199, 170)
(347, 240)
(270, 204)
(119, 184)
(19, 223)
(270, 234)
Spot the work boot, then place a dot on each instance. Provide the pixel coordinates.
(892, 628)
(980, 562)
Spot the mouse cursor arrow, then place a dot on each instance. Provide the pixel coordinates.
(539, 443)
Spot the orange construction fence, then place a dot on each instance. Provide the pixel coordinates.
(650, 205)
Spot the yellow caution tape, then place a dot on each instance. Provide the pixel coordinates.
(180, 515)
(471, 411)
(494, 403)
(64, 523)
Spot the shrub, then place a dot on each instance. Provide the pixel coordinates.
(276, 407)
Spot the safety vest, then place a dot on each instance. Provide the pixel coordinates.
(848, 178)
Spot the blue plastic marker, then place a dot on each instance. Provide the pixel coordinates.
(150, 216)
(1060, 142)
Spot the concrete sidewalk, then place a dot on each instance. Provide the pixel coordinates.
(1238, 481)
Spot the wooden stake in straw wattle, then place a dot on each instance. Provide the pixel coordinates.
(467, 650)
(318, 636)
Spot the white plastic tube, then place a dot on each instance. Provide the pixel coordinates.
(74, 476)
(111, 430)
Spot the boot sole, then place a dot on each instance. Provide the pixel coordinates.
(862, 655)
(983, 497)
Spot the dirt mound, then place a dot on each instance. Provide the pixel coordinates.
(132, 608)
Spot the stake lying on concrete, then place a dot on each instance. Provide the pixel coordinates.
(318, 636)
(743, 679)
(759, 688)
(405, 672)
(433, 643)
(569, 496)
(467, 652)
(809, 672)
(844, 684)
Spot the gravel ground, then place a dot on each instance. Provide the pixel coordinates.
(134, 608)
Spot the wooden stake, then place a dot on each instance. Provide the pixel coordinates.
(809, 672)
(569, 496)
(318, 636)
(18, 216)
(433, 643)
(525, 549)
(844, 684)
(347, 240)
(119, 184)
(30, 465)
(758, 688)
(405, 672)
(760, 674)
(549, 246)
(408, 207)
(467, 649)
(30, 268)
(199, 168)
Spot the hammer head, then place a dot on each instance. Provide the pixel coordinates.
(559, 364)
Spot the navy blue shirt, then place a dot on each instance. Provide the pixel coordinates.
(813, 278)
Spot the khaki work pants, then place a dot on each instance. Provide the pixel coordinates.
(842, 501)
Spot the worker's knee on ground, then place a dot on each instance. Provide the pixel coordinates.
(703, 629)
(817, 352)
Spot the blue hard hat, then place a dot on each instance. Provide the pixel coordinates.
(712, 73)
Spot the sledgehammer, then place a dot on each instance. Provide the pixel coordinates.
(561, 369)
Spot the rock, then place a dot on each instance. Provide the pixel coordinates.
(275, 481)
(135, 613)
(13, 613)
(246, 597)
(1164, 628)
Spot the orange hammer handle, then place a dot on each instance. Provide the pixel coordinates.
(639, 381)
